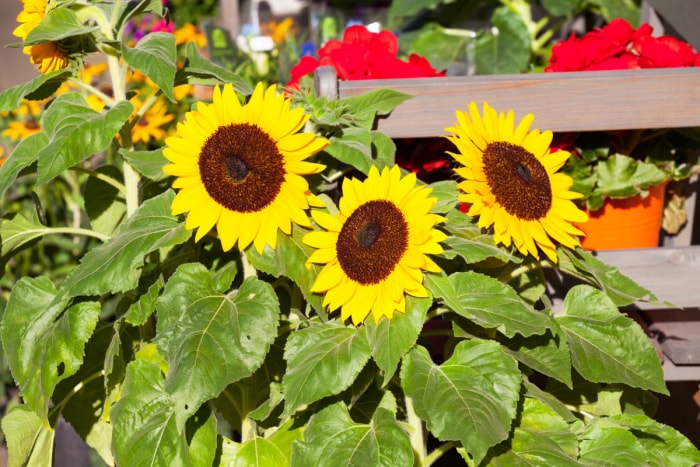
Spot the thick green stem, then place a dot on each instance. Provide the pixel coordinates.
(415, 431)
(100, 176)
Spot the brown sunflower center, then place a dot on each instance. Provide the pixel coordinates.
(241, 167)
(372, 242)
(518, 180)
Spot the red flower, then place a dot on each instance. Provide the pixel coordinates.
(363, 54)
(619, 46)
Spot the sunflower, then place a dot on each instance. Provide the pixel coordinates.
(375, 249)
(19, 130)
(240, 167)
(48, 56)
(511, 181)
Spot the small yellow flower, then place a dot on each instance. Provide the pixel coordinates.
(190, 33)
(375, 250)
(511, 181)
(21, 129)
(150, 126)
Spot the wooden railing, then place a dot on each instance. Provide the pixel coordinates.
(583, 101)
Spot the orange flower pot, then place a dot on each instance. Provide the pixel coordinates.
(633, 222)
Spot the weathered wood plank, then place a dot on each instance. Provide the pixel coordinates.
(672, 274)
(577, 101)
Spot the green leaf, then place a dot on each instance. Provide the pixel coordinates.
(202, 435)
(663, 444)
(469, 242)
(376, 102)
(139, 312)
(477, 389)
(148, 163)
(621, 289)
(154, 56)
(288, 260)
(530, 448)
(322, 360)
(446, 192)
(199, 70)
(115, 266)
(561, 7)
(439, 45)
(25, 154)
(493, 304)
(258, 452)
(383, 150)
(332, 438)
(58, 24)
(353, 148)
(621, 176)
(606, 346)
(601, 447)
(404, 8)
(539, 418)
(38, 88)
(43, 340)
(627, 9)
(104, 203)
(128, 10)
(390, 339)
(547, 354)
(17, 231)
(76, 132)
(29, 440)
(210, 339)
(508, 50)
(145, 431)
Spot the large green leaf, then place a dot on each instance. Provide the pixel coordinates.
(154, 56)
(25, 154)
(76, 132)
(493, 304)
(508, 50)
(288, 260)
(621, 176)
(664, 445)
(602, 444)
(258, 452)
(200, 70)
(115, 266)
(104, 203)
(446, 192)
(29, 440)
(471, 398)
(38, 88)
(353, 147)
(332, 438)
(391, 338)
(145, 431)
(621, 289)
(43, 340)
(375, 102)
(58, 24)
(547, 354)
(322, 360)
(606, 346)
(148, 163)
(211, 339)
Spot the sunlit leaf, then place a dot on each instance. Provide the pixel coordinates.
(43, 340)
(148, 163)
(508, 49)
(211, 339)
(472, 397)
(25, 154)
(607, 346)
(29, 440)
(37, 88)
(58, 24)
(601, 447)
(469, 242)
(144, 421)
(662, 443)
(376, 102)
(353, 147)
(202, 434)
(446, 192)
(116, 265)
(258, 452)
(17, 231)
(391, 338)
(332, 438)
(76, 132)
(154, 56)
(200, 70)
(493, 304)
(322, 360)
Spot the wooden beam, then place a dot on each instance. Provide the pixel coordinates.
(576, 101)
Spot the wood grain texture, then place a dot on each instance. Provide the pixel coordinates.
(577, 101)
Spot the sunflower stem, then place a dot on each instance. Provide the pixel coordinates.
(511, 273)
(415, 431)
(100, 176)
(437, 453)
